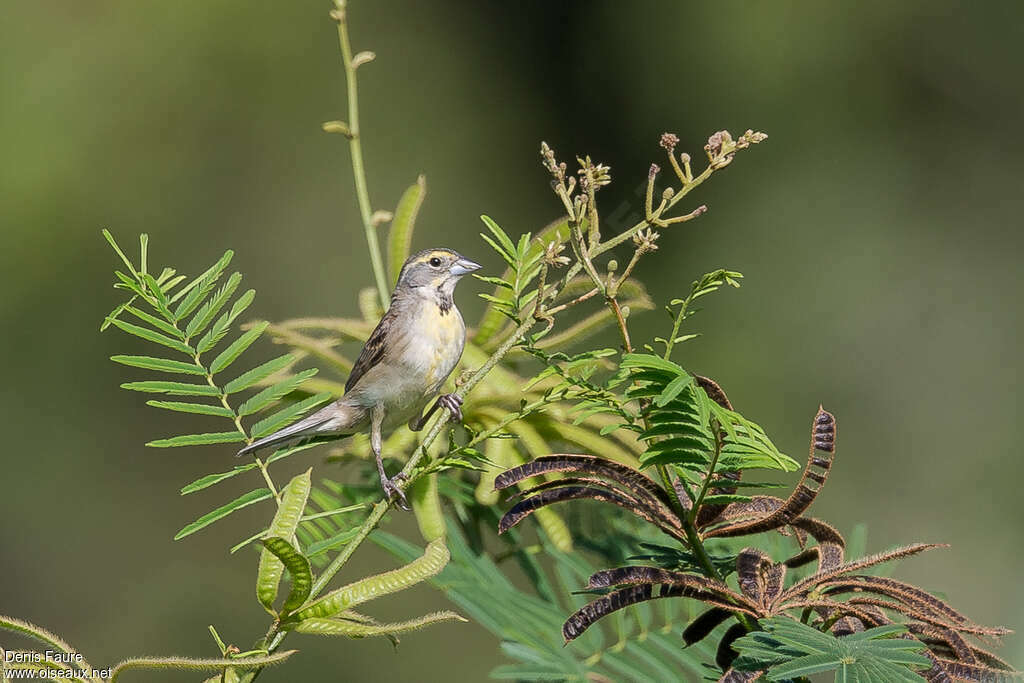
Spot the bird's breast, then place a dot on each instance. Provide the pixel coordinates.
(435, 345)
(424, 351)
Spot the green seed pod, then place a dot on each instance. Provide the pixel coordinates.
(298, 568)
(343, 627)
(433, 560)
(293, 502)
(501, 453)
(556, 528)
(426, 506)
(402, 227)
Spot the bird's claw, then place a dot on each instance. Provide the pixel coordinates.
(392, 491)
(453, 403)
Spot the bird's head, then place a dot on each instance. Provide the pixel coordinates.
(434, 270)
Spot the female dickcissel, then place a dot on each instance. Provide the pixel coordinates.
(404, 363)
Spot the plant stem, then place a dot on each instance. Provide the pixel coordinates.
(613, 303)
(356, 147)
(676, 324)
(238, 426)
(706, 484)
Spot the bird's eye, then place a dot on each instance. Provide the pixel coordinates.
(435, 262)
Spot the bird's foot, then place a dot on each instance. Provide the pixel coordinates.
(453, 404)
(391, 490)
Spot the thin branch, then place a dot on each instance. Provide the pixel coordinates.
(355, 145)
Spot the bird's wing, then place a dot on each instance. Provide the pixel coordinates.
(374, 348)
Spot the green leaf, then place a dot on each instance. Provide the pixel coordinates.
(647, 360)
(158, 295)
(114, 313)
(223, 511)
(161, 325)
(507, 247)
(196, 291)
(236, 348)
(223, 324)
(286, 416)
(198, 439)
(402, 226)
(155, 337)
(258, 374)
(335, 541)
(171, 283)
(496, 281)
(159, 364)
(113, 243)
(274, 392)
(725, 499)
(789, 649)
(197, 408)
(293, 502)
(172, 388)
(673, 389)
(298, 569)
(211, 479)
(212, 307)
(805, 666)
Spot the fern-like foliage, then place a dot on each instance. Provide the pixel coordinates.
(838, 597)
(193, 320)
(641, 645)
(784, 649)
(690, 485)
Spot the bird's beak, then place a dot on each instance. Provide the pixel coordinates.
(463, 266)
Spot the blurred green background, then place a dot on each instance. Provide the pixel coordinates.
(878, 227)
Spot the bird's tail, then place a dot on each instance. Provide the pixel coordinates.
(319, 423)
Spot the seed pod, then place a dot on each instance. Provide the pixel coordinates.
(433, 560)
(293, 502)
(426, 506)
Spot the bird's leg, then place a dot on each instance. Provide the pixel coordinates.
(386, 483)
(452, 402)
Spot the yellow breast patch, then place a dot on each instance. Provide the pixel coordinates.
(443, 334)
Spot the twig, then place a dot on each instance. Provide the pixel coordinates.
(355, 145)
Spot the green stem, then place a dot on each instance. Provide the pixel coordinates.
(356, 147)
(676, 324)
(238, 425)
(706, 484)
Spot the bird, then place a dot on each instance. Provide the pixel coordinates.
(403, 365)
